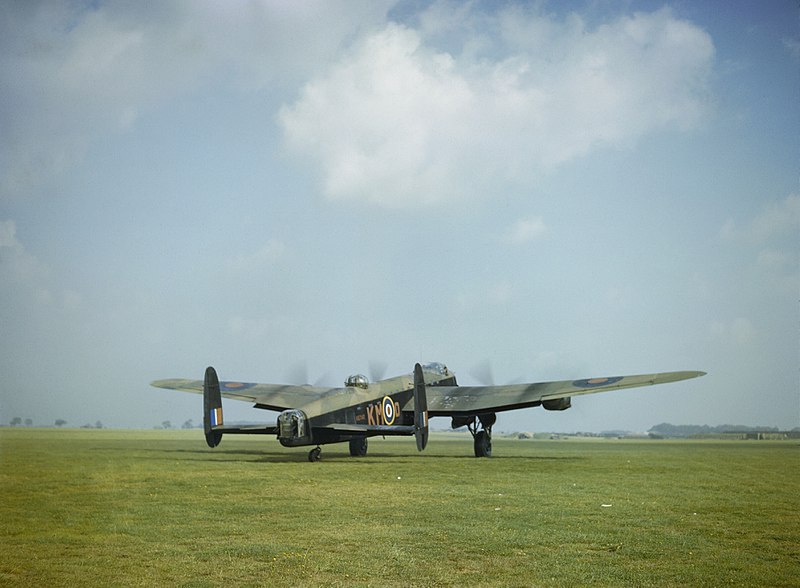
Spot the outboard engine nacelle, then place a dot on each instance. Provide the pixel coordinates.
(557, 404)
(293, 428)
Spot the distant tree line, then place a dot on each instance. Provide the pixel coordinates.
(16, 421)
(188, 424)
(680, 431)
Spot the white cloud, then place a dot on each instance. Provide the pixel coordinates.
(380, 122)
(24, 278)
(394, 119)
(75, 73)
(399, 122)
(17, 266)
(776, 220)
(525, 230)
(772, 240)
(8, 235)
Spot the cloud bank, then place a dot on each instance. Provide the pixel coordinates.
(75, 74)
(438, 109)
(397, 121)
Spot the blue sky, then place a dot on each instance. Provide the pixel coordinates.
(284, 190)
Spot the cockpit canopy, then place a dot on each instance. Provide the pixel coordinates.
(436, 367)
(357, 381)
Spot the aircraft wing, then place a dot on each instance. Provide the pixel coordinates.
(471, 400)
(269, 396)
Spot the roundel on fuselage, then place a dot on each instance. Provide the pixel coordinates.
(388, 410)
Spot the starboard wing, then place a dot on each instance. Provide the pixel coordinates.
(269, 396)
(466, 400)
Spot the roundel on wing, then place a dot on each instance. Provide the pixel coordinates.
(596, 382)
(234, 386)
(388, 410)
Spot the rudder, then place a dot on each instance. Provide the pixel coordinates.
(212, 407)
(420, 409)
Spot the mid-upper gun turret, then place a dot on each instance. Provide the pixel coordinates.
(357, 381)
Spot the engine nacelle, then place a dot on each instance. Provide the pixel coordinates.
(293, 428)
(486, 419)
(461, 421)
(557, 404)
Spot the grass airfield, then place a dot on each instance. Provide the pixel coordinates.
(143, 508)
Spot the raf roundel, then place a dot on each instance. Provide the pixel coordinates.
(596, 382)
(234, 386)
(388, 410)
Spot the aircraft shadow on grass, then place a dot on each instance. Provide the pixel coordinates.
(246, 455)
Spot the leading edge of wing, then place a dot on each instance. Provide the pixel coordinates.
(450, 400)
(269, 396)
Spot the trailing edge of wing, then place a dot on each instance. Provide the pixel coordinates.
(269, 396)
(593, 385)
(455, 400)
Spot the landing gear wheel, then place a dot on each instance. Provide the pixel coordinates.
(358, 447)
(483, 444)
(314, 454)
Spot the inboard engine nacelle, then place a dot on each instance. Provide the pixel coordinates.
(293, 429)
(557, 404)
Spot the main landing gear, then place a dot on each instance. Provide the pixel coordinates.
(358, 447)
(482, 437)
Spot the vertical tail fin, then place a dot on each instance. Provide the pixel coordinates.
(212, 407)
(420, 409)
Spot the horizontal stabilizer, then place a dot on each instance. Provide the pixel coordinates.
(247, 430)
(374, 429)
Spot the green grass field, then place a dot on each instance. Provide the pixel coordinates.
(160, 508)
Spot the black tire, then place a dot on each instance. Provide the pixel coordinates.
(483, 444)
(314, 454)
(358, 447)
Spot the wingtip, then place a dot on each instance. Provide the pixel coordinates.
(689, 375)
(168, 384)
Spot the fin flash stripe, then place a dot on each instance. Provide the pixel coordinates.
(216, 416)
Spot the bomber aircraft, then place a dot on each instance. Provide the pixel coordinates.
(315, 416)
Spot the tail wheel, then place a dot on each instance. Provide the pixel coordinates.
(483, 444)
(358, 447)
(314, 454)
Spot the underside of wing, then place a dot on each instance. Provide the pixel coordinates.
(268, 396)
(471, 400)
